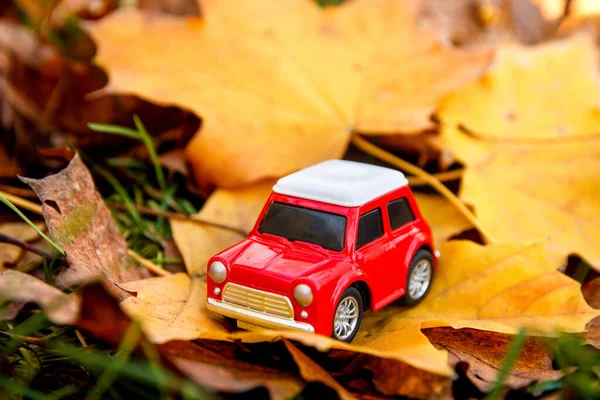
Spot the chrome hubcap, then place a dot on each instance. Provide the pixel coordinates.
(420, 278)
(346, 318)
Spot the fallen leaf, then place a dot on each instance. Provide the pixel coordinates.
(527, 134)
(591, 293)
(176, 7)
(545, 192)
(235, 208)
(313, 372)
(268, 106)
(469, 22)
(223, 373)
(10, 254)
(545, 91)
(214, 369)
(22, 288)
(444, 218)
(541, 92)
(395, 378)
(173, 307)
(485, 352)
(79, 222)
(478, 287)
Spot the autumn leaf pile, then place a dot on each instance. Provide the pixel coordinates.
(492, 111)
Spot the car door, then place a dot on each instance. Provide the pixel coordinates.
(404, 229)
(374, 255)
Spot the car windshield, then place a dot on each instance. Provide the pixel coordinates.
(305, 224)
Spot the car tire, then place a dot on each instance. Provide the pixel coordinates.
(347, 315)
(419, 278)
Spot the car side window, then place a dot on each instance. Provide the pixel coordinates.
(370, 227)
(400, 213)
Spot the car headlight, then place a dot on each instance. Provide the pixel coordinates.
(217, 271)
(303, 295)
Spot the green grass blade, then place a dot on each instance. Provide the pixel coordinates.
(110, 374)
(511, 357)
(114, 130)
(135, 216)
(31, 224)
(147, 139)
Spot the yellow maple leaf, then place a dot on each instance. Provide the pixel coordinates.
(498, 288)
(443, 217)
(547, 91)
(531, 149)
(280, 85)
(546, 193)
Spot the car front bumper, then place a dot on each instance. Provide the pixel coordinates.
(256, 318)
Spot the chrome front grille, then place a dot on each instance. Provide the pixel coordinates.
(258, 300)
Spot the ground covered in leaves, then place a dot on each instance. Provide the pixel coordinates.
(139, 139)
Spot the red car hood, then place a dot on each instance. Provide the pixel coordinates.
(265, 265)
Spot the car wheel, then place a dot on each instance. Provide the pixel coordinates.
(419, 278)
(347, 315)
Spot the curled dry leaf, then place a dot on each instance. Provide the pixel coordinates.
(313, 372)
(222, 372)
(79, 221)
(272, 103)
(485, 352)
(477, 287)
(19, 288)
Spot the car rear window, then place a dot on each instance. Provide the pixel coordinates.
(370, 227)
(400, 213)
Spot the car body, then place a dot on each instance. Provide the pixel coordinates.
(336, 232)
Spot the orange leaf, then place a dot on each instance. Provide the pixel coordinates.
(280, 85)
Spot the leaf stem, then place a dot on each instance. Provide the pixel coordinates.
(179, 217)
(148, 264)
(27, 247)
(383, 155)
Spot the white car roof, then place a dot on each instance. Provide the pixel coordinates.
(341, 182)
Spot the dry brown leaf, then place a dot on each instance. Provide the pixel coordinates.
(176, 7)
(79, 221)
(223, 373)
(313, 372)
(21, 288)
(485, 352)
(214, 369)
(272, 103)
(476, 286)
(10, 254)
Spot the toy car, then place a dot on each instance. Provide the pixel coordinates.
(333, 240)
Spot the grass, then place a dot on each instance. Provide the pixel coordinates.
(145, 235)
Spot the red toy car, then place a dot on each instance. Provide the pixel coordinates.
(333, 240)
